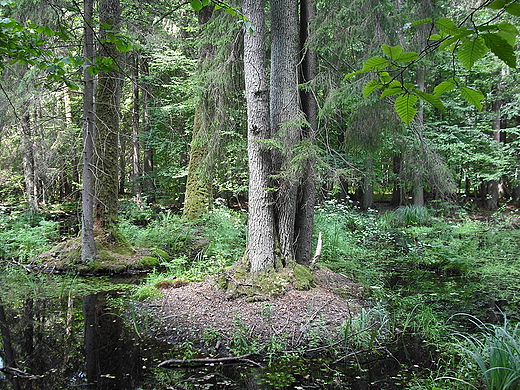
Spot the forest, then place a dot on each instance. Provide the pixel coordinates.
(264, 194)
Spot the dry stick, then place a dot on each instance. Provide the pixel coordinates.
(317, 254)
(207, 361)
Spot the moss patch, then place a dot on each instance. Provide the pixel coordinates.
(238, 281)
(112, 258)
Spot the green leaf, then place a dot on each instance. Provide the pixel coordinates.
(385, 77)
(421, 21)
(431, 99)
(513, 9)
(370, 87)
(392, 91)
(205, 3)
(196, 5)
(497, 4)
(123, 46)
(471, 51)
(374, 63)
(472, 96)
(405, 106)
(501, 48)
(391, 51)
(446, 25)
(434, 37)
(445, 86)
(407, 56)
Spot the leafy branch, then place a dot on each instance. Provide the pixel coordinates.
(468, 41)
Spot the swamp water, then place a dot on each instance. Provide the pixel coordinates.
(69, 333)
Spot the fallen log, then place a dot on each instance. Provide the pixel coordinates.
(200, 362)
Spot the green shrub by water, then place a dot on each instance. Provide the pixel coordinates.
(26, 235)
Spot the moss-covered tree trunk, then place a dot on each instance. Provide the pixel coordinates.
(198, 196)
(107, 124)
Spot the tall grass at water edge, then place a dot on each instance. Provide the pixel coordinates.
(495, 351)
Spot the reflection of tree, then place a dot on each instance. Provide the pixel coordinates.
(112, 361)
(8, 355)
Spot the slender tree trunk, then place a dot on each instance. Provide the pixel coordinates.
(418, 188)
(368, 185)
(284, 111)
(261, 233)
(304, 222)
(148, 163)
(198, 195)
(88, 245)
(136, 150)
(397, 191)
(107, 124)
(493, 185)
(29, 169)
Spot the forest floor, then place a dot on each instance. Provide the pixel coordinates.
(208, 317)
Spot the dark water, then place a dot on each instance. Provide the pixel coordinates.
(58, 337)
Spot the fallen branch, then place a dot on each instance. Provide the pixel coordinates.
(198, 362)
(317, 254)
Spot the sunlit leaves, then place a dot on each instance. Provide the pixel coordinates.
(370, 87)
(501, 48)
(406, 107)
(472, 96)
(445, 86)
(471, 51)
(468, 41)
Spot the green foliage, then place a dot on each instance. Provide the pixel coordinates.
(496, 351)
(406, 216)
(25, 236)
(470, 43)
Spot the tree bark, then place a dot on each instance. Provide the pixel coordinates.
(88, 245)
(261, 234)
(29, 168)
(148, 163)
(304, 222)
(284, 111)
(198, 195)
(107, 124)
(136, 150)
(368, 185)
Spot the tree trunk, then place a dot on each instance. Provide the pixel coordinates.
(29, 168)
(261, 234)
(284, 111)
(397, 191)
(368, 186)
(107, 124)
(492, 192)
(198, 195)
(418, 189)
(304, 222)
(148, 164)
(136, 152)
(88, 245)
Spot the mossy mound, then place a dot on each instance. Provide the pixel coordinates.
(113, 258)
(238, 281)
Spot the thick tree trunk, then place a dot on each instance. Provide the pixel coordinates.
(107, 125)
(304, 222)
(88, 245)
(198, 195)
(261, 234)
(284, 111)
